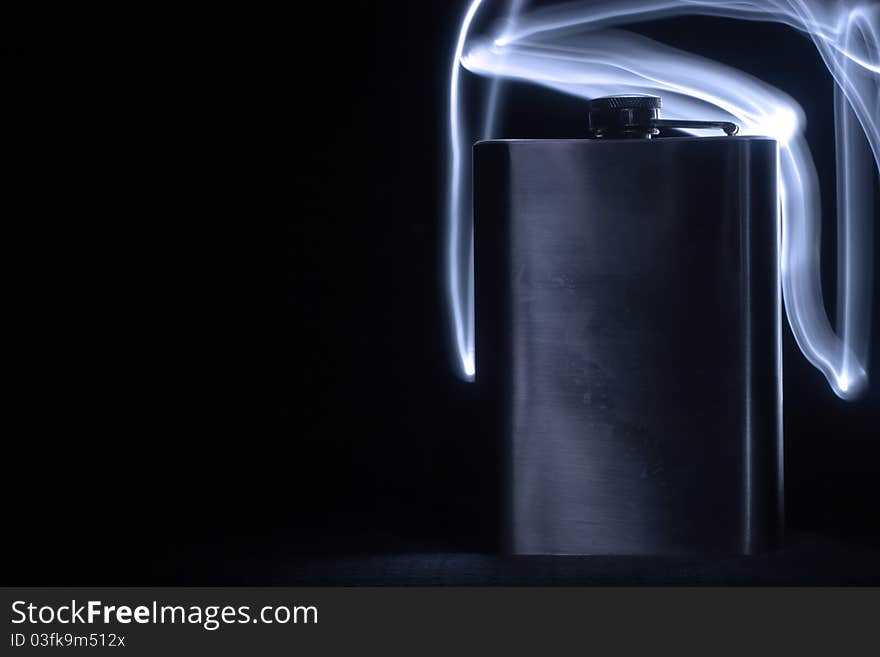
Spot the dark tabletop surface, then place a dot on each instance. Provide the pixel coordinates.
(806, 559)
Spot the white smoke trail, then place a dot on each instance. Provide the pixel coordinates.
(570, 48)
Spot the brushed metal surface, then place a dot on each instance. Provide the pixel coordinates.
(628, 318)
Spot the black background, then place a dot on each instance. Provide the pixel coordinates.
(233, 336)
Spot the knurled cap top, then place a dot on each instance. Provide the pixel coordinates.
(625, 101)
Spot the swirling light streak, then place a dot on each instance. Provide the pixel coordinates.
(570, 48)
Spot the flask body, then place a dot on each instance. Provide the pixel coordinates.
(627, 330)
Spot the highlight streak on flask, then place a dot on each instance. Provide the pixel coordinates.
(542, 48)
